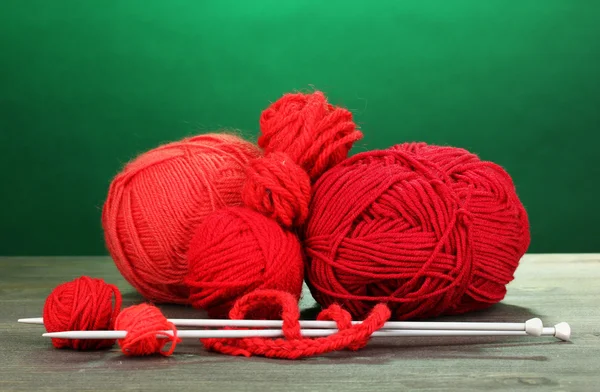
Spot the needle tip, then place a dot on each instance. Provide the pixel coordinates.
(562, 331)
(34, 320)
(534, 327)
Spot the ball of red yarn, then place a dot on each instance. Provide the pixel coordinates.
(143, 322)
(234, 250)
(302, 135)
(237, 250)
(428, 230)
(156, 202)
(83, 304)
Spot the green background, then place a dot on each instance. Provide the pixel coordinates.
(87, 85)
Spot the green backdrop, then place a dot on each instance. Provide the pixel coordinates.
(87, 85)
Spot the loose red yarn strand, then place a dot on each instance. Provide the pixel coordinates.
(294, 346)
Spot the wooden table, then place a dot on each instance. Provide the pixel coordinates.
(553, 287)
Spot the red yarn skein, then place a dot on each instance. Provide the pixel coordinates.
(83, 304)
(154, 205)
(236, 251)
(429, 230)
(302, 135)
(142, 323)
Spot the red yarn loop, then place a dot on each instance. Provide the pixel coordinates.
(343, 320)
(293, 345)
(303, 136)
(285, 307)
(429, 230)
(237, 250)
(83, 304)
(142, 323)
(278, 188)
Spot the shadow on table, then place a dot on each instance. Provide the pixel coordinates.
(309, 309)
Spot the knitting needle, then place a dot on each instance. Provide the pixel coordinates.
(561, 331)
(532, 326)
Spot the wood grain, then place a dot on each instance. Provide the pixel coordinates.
(554, 287)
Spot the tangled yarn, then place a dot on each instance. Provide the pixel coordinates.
(82, 304)
(155, 204)
(142, 323)
(428, 230)
(293, 345)
(235, 250)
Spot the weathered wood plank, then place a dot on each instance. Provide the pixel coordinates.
(553, 287)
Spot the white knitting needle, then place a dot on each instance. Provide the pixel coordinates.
(532, 327)
(561, 331)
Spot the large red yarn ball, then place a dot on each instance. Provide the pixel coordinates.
(157, 201)
(237, 250)
(428, 230)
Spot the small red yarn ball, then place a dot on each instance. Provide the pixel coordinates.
(235, 251)
(302, 135)
(428, 230)
(83, 304)
(143, 323)
(312, 132)
(154, 205)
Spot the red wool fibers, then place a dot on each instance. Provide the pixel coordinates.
(302, 136)
(239, 250)
(294, 345)
(84, 304)
(142, 323)
(428, 230)
(157, 201)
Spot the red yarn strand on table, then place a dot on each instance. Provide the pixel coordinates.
(84, 304)
(293, 345)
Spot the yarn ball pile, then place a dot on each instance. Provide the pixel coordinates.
(429, 230)
(143, 323)
(83, 304)
(411, 232)
(155, 204)
(237, 250)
